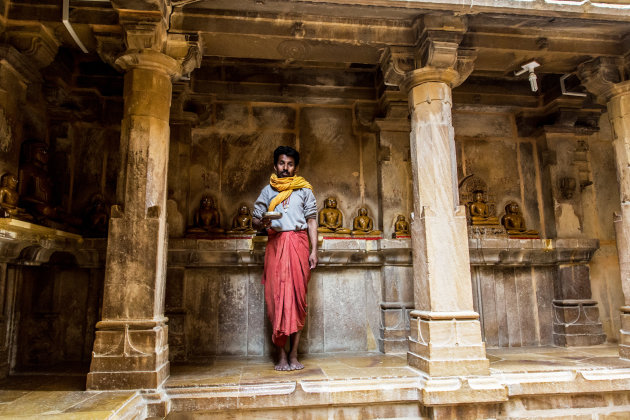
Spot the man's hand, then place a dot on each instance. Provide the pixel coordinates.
(259, 224)
(312, 259)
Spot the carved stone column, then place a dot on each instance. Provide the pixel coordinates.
(605, 78)
(130, 349)
(445, 330)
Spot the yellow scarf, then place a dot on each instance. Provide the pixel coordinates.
(285, 187)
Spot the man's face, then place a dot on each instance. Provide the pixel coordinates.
(285, 166)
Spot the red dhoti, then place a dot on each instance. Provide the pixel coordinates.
(286, 277)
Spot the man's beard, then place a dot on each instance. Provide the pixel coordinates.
(283, 175)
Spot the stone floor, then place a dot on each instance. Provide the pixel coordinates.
(61, 393)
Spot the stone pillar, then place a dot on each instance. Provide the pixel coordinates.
(131, 348)
(603, 77)
(445, 337)
(445, 330)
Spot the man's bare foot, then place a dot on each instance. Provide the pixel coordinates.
(294, 364)
(282, 361)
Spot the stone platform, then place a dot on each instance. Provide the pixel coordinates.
(538, 382)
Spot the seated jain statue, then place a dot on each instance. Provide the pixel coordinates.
(35, 184)
(330, 218)
(363, 224)
(480, 211)
(207, 218)
(514, 222)
(9, 198)
(242, 222)
(401, 227)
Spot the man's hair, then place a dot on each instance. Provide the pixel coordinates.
(286, 150)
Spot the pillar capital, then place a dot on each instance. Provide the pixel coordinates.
(149, 60)
(437, 55)
(605, 77)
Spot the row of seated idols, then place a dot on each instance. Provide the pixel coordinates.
(480, 214)
(207, 221)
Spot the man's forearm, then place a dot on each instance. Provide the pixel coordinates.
(312, 233)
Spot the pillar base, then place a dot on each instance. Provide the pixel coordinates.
(624, 336)
(447, 344)
(576, 323)
(129, 355)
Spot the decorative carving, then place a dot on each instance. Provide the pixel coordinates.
(331, 219)
(566, 185)
(395, 62)
(363, 224)
(33, 41)
(600, 76)
(293, 49)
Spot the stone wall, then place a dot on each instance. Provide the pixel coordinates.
(231, 157)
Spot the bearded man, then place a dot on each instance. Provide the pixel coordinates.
(288, 261)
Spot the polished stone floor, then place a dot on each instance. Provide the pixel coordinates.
(60, 393)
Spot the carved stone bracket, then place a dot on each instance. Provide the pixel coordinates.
(436, 57)
(396, 62)
(34, 41)
(604, 77)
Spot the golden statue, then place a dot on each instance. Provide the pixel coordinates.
(330, 218)
(207, 218)
(514, 222)
(480, 211)
(242, 222)
(401, 227)
(9, 198)
(363, 224)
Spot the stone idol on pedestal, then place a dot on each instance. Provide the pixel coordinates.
(207, 220)
(480, 208)
(514, 223)
(36, 188)
(242, 222)
(330, 220)
(363, 225)
(401, 228)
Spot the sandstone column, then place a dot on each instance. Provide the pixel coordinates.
(130, 349)
(445, 330)
(445, 335)
(603, 77)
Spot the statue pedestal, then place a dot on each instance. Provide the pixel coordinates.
(19, 229)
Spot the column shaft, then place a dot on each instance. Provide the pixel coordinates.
(131, 349)
(445, 331)
(619, 115)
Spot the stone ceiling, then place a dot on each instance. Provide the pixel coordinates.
(352, 35)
